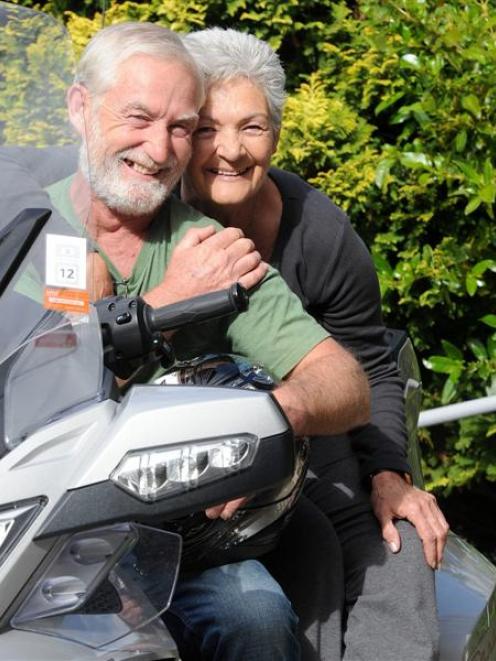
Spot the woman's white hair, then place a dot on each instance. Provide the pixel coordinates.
(97, 68)
(224, 54)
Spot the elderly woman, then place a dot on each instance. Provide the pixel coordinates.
(389, 606)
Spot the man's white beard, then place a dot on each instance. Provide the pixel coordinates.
(102, 171)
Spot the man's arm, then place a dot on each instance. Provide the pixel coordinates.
(326, 393)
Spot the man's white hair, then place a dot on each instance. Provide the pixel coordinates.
(97, 68)
(224, 54)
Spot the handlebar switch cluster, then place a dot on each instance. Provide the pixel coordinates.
(123, 318)
(129, 340)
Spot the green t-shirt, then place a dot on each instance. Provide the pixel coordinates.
(275, 331)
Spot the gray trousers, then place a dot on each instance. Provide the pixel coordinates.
(356, 600)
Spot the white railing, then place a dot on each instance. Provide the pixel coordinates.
(452, 412)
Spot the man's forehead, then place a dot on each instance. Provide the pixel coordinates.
(142, 80)
(142, 67)
(139, 105)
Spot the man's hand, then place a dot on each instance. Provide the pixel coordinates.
(98, 278)
(204, 261)
(226, 510)
(393, 498)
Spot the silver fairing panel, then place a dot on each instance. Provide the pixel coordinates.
(152, 643)
(84, 448)
(466, 600)
(152, 416)
(46, 464)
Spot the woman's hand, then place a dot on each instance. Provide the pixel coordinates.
(205, 261)
(394, 498)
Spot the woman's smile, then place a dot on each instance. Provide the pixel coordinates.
(232, 146)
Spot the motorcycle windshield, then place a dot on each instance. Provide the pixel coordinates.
(51, 357)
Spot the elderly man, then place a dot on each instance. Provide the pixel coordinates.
(135, 104)
(135, 108)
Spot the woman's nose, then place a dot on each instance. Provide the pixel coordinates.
(229, 145)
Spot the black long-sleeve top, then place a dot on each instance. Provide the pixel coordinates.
(327, 265)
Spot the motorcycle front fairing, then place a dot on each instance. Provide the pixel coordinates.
(57, 490)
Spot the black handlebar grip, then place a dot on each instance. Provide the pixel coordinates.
(201, 308)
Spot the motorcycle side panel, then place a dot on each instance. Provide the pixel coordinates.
(46, 465)
(466, 599)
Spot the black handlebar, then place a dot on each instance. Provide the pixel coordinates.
(132, 329)
(199, 308)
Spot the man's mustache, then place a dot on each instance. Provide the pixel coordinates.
(142, 159)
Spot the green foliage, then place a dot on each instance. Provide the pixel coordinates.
(423, 76)
(419, 80)
(391, 112)
(178, 15)
(35, 71)
(323, 137)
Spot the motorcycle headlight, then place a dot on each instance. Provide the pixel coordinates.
(156, 473)
(15, 518)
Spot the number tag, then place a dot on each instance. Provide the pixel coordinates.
(65, 261)
(65, 274)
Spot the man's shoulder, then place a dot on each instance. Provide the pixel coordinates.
(60, 199)
(59, 190)
(182, 217)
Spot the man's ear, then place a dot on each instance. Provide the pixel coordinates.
(77, 102)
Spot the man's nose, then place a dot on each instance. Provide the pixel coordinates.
(158, 144)
(229, 145)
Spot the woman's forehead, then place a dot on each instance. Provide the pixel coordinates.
(235, 95)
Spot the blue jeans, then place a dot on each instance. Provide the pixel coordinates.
(234, 612)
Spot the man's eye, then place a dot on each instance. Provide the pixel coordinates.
(180, 130)
(138, 120)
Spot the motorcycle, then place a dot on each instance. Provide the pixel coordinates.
(88, 474)
(80, 466)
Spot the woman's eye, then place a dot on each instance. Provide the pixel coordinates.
(204, 131)
(254, 129)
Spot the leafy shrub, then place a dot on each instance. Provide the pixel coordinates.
(34, 76)
(423, 75)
